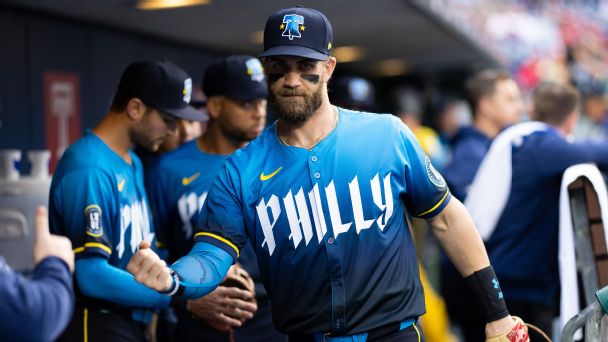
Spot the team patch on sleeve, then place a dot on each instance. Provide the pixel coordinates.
(434, 176)
(92, 215)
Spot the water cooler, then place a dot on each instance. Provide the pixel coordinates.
(19, 197)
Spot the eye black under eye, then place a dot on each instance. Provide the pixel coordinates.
(274, 76)
(312, 78)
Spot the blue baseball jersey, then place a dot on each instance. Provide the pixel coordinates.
(98, 201)
(328, 225)
(177, 186)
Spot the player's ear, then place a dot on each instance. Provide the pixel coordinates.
(214, 106)
(329, 67)
(264, 62)
(484, 104)
(570, 122)
(135, 109)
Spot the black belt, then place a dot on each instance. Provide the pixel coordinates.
(123, 312)
(372, 334)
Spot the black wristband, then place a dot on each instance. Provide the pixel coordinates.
(486, 288)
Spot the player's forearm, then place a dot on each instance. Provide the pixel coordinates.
(42, 304)
(458, 236)
(202, 270)
(97, 278)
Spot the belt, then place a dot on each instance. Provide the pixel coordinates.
(370, 335)
(137, 315)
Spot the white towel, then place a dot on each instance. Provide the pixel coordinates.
(491, 186)
(569, 305)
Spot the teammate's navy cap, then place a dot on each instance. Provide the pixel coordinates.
(161, 85)
(298, 31)
(239, 77)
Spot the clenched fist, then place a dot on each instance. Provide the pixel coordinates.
(149, 269)
(516, 331)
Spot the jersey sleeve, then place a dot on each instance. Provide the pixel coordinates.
(555, 154)
(426, 190)
(220, 220)
(84, 199)
(37, 308)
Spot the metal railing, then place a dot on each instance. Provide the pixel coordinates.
(591, 318)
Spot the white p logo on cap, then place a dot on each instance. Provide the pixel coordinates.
(187, 90)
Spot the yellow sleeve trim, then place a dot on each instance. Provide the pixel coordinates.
(94, 235)
(221, 239)
(436, 205)
(95, 245)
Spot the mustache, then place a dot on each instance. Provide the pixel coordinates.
(291, 92)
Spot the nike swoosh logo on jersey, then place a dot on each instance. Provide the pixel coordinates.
(264, 177)
(188, 180)
(121, 185)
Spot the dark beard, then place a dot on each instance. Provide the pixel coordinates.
(142, 140)
(234, 135)
(293, 111)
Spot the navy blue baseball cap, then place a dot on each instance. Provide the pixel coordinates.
(298, 31)
(240, 77)
(161, 85)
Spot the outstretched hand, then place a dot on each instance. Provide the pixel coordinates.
(225, 308)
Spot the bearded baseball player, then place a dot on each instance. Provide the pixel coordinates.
(323, 195)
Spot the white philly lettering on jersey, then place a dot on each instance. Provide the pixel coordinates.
(298, 221)
(299, 218)
(262, 209)
(387, 206)
(135, 216)
(188, 205)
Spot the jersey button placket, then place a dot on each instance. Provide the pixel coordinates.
(334, 259)
(315, 167)
(337, 289)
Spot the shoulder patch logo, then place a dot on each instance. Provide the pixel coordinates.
(92, 214)
(187, 180)
(434, 176)
(264, 177)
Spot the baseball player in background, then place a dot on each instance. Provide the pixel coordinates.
(98, 201)
(177, 186)
(322, 195)
(496, 102)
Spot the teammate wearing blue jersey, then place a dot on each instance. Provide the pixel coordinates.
(322, 195)
(236, 102)
(98, 200)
